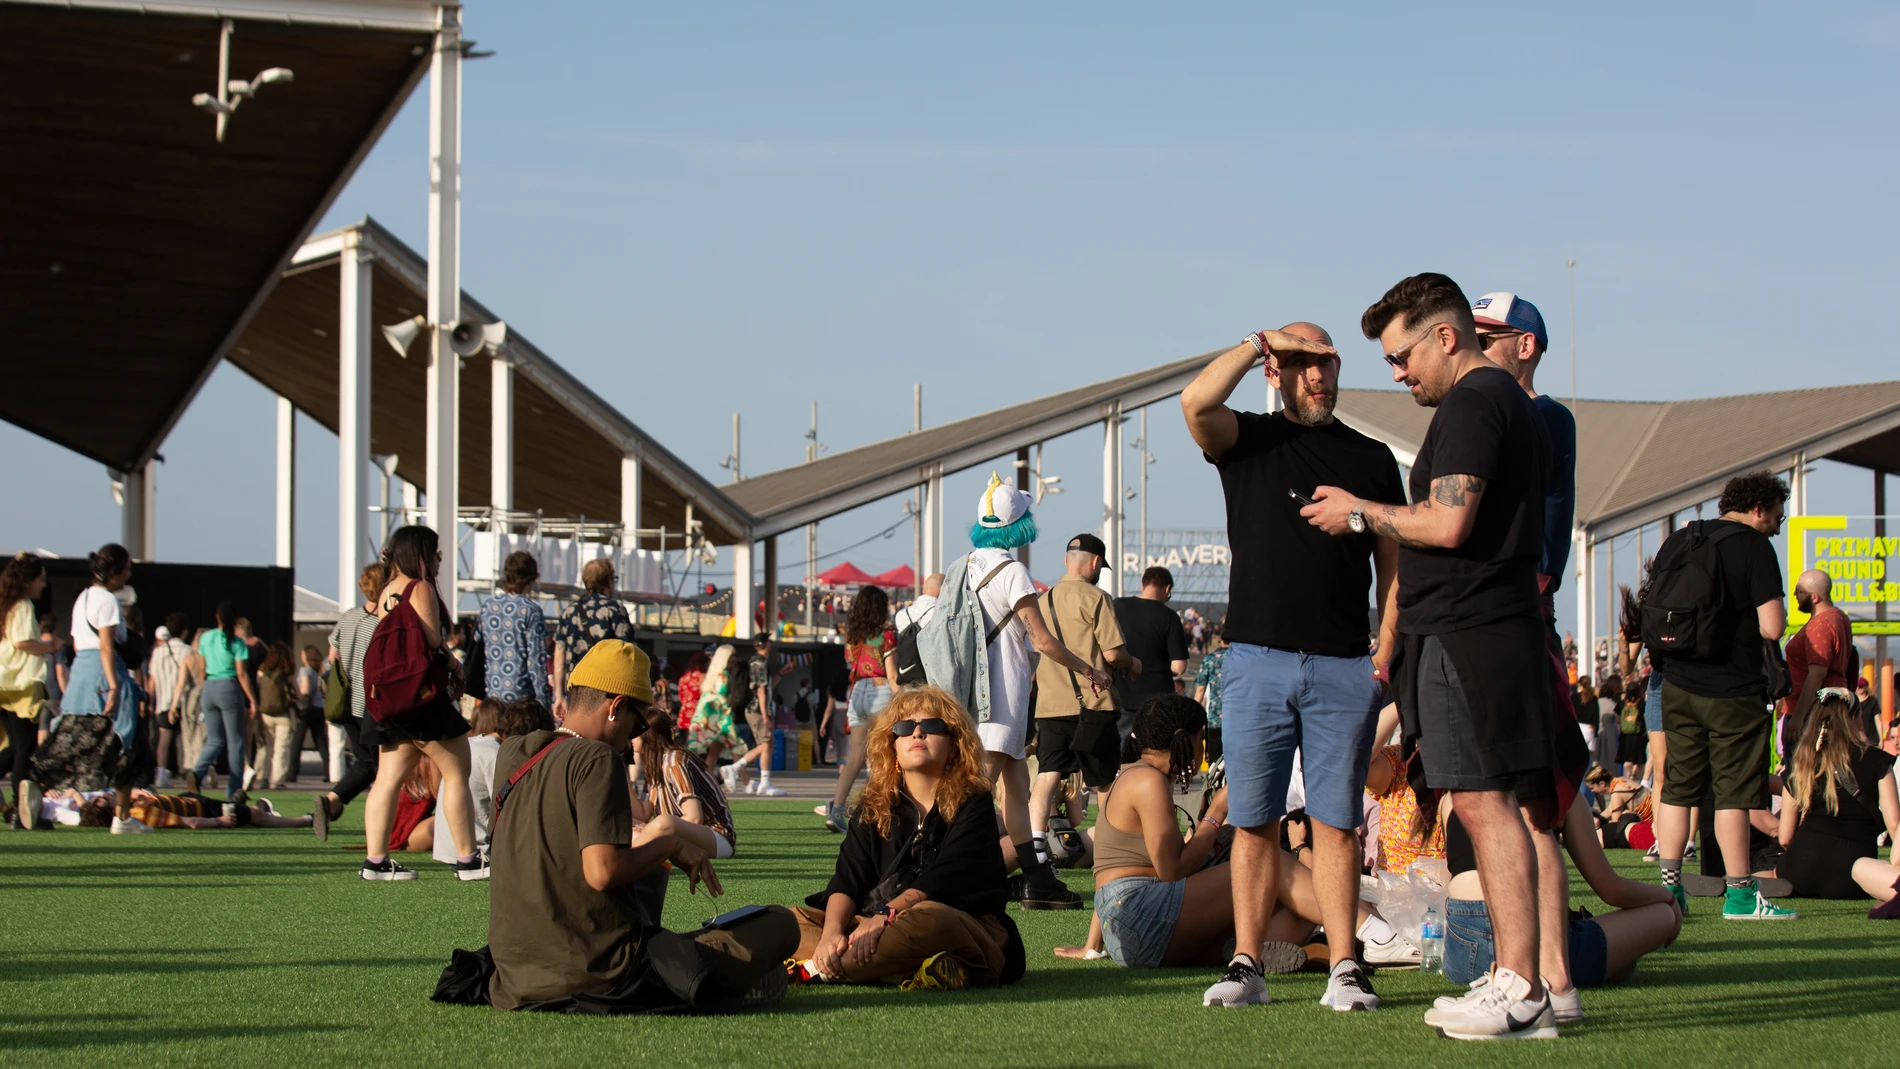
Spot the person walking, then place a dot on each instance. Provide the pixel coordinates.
(276, 713)
(515, 636)
(23, 654)
(1473, 674)
(229, 703)
(1013, 625)
(1076, 731)
(93, 745)
(349, 641)
(870, 654)
(1818, 654)
(593, 616)
(1156, 640)
(1714, 706)
(436, 730)
(1297, 682)
(169, 681)
(1207, 689)
(307, 708)
(761, 680)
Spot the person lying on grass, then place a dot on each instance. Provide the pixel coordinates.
(1157, 903)
(918, 894)
(565, 929)
(682, 798)
(199, 813)
(1602, 949)
(1834, 807)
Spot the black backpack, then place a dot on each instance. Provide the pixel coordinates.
(910, 664)
(739, 682)
(1686, 596)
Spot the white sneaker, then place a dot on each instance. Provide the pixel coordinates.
(1689, 851)
(131, 826)
(1240, 985)
(730, 774)
(26, 805)
(1349, 989)
(752, 786)
(1448, 1007)
(1567, 1007)
(163, 779)
(1394, 951)
(767, 790)
(1505, 1012)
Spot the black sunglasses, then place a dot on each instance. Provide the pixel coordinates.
(933, 725)
(1487, 340)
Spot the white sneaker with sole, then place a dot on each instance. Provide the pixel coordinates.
(766, 790)
(1240, 985)
(26, 805)
(1446, 1007)
(1349, 989)
(1566, 1007)
(1505, 1012)
(729, 773)
(131, 826)
(1394, 951)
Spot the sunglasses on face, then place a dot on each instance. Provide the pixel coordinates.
(903, 729)
(1486, 341)
(1399, 359)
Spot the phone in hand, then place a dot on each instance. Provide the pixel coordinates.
(727, 920)
(1301, 498)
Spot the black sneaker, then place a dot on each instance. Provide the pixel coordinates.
(476, 869)
(1048, 893)
(387, 870)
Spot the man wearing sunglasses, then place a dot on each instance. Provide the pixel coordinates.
(1296, 680)
(1472, 671)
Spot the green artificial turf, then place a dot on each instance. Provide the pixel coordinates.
(254, 947)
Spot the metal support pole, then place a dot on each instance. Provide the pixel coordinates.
(1141, 553)
(1111, 578)
(1022, 483)
(1581, 551)
(771, 586)
(932, 524)
(1880, 531)
(917, 516)
(355, 546)
(631, 477)
(286, 483)
(501, 433)
(139, 511)
(445, 289)
(742, 589)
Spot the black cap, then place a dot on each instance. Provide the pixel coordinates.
(1088, 543)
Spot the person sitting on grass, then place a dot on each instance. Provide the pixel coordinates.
(1834, 806)
(1602, 950)
(682, 798)
(199, 813)
(484, 743)
(565, 929)
(918, 894)
(414, 828)
(1157, 903)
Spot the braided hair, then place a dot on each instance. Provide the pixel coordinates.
(1170, 722)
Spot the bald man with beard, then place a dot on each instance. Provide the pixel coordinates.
(1297, 673)
(1818, 654)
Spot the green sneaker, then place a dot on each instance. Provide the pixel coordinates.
(1682, 897)
(1747, 904)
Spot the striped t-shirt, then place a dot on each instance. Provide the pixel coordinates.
(350, 640)
(682, 776)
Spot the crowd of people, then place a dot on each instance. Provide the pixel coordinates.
(1387, 687)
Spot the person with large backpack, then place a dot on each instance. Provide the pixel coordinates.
(1712, 603)
(405, 681)
(976, 645)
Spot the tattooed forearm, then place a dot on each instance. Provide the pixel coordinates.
(1452, 491)
(1384, 520)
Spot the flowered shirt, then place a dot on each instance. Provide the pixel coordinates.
(588, 620)
(515, 644)
(1209, 677)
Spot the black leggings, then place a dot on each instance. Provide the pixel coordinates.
(23, 737)
(363, 758)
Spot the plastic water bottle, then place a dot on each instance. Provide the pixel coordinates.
(1431, 951)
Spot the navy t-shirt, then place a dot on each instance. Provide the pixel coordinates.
(1560, 494)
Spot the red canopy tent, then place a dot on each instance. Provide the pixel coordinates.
(900, 576)
(845, 574)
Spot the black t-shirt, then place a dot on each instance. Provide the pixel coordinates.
(1859, 818)
(1751, 575)
(1486, 426)
(962, 862)
(1152, 633)
(1291, 584)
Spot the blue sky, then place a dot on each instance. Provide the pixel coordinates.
(702, 209)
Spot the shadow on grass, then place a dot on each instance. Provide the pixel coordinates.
(33, 968)
(44, 1031)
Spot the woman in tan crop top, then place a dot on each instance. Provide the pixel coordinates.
(1157, 901)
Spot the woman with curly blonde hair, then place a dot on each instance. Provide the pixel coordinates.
(918, 894)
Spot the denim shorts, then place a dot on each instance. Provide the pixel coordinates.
(1469, 952)
(867, 700)
(1652, 704)
(1138, 914)
(1274, 702)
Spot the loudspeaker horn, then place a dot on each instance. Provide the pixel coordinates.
(404, 334)
(470, 337)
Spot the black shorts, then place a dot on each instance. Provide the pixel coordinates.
(1449, 739)
(431, 723)
(1087, 744)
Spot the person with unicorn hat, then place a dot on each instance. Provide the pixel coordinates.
(1014, 624)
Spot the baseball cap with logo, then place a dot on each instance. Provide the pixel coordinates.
(1088, 543)
(1511, 312)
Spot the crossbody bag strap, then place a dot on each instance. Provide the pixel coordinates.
(1055, 621)
(1007, 616)
(508, 788)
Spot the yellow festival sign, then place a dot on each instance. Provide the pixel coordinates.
(1860, 563)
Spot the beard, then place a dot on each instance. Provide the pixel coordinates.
(1310, 410)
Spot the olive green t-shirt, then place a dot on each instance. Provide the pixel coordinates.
(552, 935)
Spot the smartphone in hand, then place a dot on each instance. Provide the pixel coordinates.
(1301, 498)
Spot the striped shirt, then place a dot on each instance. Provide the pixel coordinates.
(682, 776)
(350, 640)
(168, 663)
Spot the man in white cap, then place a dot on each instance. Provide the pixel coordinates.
(1007, 596)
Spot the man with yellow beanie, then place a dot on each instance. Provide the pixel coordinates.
(565, 929)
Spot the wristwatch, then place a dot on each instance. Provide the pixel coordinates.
(1357, 521)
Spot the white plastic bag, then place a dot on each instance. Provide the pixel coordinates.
(1402, 899)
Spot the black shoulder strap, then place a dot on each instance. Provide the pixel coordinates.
(1055, 621)
(501, 795)
(1007, 616)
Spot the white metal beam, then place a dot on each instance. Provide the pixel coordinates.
(742, 598)
(412, 15)
(286, 555)
(930, 522)
(630, 491)
(501, 433)
(1111, 577)
(445, 288)
(138, 511)
(355, 544)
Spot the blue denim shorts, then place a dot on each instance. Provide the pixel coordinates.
(867, 700)
(1652, 704)
(1274, 702)
(1138, 914)
(1469, 951)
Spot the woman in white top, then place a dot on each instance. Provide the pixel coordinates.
(87, 749)
(22, 662)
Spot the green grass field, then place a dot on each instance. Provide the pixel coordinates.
(241, 948)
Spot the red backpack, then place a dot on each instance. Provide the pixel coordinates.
(402, 673)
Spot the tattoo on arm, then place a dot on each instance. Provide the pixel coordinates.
(1452, 490)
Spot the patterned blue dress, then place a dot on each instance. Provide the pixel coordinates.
(515, 645)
